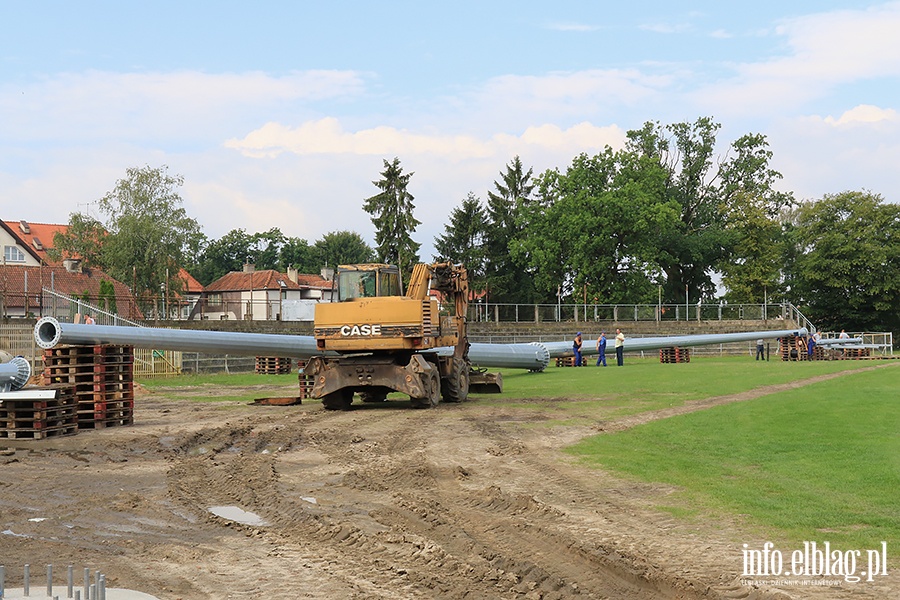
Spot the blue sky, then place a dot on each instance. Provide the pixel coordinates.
(279, 114)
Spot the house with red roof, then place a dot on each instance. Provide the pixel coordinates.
(265, 295)
(26, 271)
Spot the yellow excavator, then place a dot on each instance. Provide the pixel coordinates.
(376, 340)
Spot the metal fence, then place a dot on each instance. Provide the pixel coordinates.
(549, 313)
(124, 310)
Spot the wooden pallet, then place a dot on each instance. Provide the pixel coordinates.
(272, 365)
(27, 416)
(674, 355)
(306, 382)
(101, 380)
(569, 361)
(793, 342)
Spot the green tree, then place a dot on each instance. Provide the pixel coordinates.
(508, 209)
(107, 296)
(267, 248)
(392, 215)
(463, 239)
(706, 190)
(148, 231)
(753, 272)
(84, 239)
(847, 270)
(297, 253)
(598, 228)
(342, 248)
(224, 255)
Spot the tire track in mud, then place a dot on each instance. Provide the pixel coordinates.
(377, 561)
(455, 541)
(422, 532)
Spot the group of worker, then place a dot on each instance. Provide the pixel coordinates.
(601, 348)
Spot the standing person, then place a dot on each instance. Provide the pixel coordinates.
(760, 349)
(89, 320)
(576, 347)
(810, 347)
(844, 336)
(601, 349)
(620, 348)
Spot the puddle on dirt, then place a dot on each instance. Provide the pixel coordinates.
(239, 515)
(14, 534)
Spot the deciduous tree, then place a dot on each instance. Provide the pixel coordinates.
(148, 231)
(342, 248)
(847, 271)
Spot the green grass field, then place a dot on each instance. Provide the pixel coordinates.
(646, 384)
(818, 463)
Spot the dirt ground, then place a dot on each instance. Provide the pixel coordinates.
(462, 501)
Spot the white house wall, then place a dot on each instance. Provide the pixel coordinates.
(8, 240)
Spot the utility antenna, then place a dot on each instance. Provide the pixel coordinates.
(88, 205)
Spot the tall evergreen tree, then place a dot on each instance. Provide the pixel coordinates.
(507, 279)
(463, 239)
(392, 216)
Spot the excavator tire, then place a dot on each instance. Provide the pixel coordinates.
(433, 389)
(455, 387)
(339, 400)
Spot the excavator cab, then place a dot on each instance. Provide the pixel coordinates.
(367, 281)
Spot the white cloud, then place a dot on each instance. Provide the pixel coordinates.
(183, 105)
(326, 136)
(864, 113)
(598, 95)
(819, 156)
(580, 27)
(825, 50)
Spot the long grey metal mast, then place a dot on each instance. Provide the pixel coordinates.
(48, 332)
(655, 343)
(535, 356)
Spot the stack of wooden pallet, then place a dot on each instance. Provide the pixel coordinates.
(792, 347)
(36, 413)
(101, 378)
(674, 355)
(857, 353)
(272, 365)
(569, 361)
(306, 382)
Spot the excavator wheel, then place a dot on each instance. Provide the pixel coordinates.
(339, 400)
(455, 388)
(432, 389)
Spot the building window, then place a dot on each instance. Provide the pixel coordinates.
(13, 254)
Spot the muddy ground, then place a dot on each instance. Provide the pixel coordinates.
(474, 500)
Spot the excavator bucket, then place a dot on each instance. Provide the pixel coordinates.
(482, 382)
